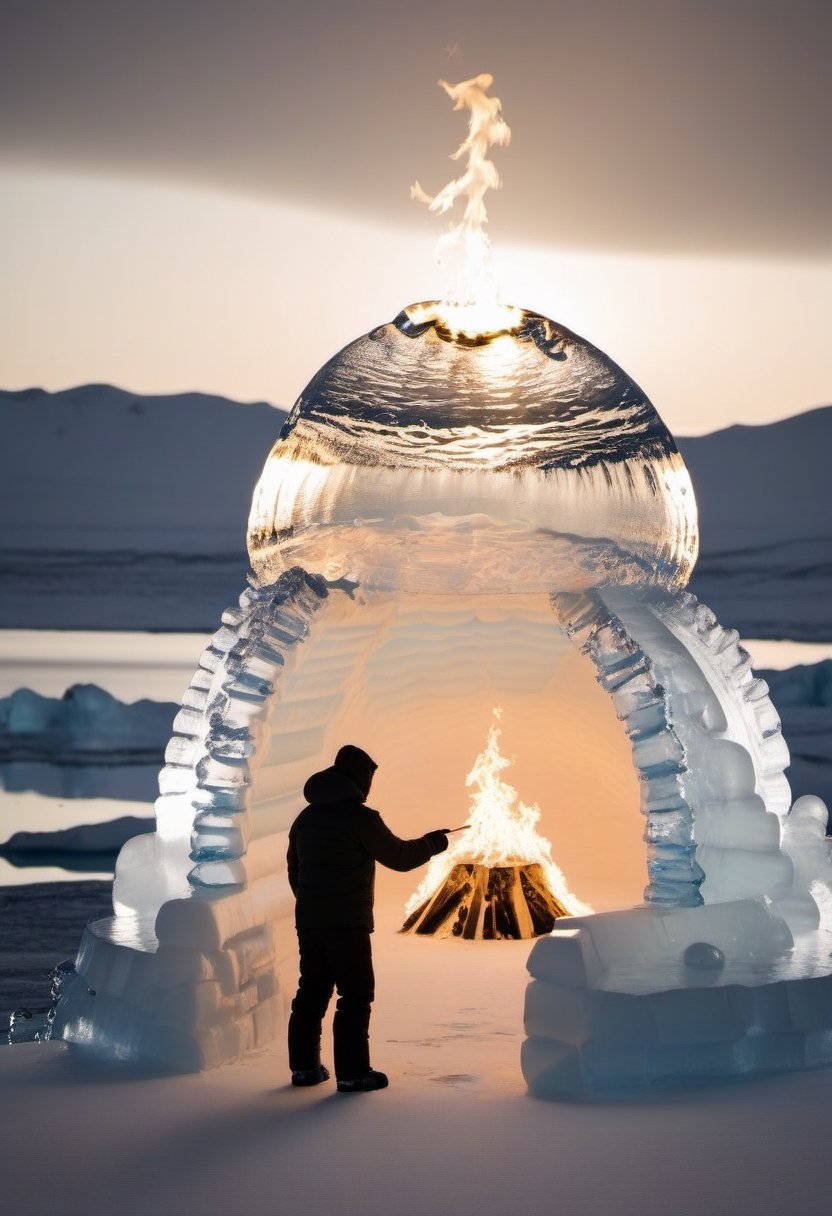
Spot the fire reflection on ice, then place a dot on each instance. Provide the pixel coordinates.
(497, 879)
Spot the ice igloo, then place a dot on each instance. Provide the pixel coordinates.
(430, 489)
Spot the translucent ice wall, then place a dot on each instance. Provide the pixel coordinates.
(706, 744)
(726, 970)
(416, 461)
(186, 973)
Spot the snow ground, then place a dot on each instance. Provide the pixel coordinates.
(455, 1134)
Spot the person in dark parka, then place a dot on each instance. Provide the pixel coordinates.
(334, 845)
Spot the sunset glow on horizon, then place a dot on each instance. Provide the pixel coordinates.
(163, 288)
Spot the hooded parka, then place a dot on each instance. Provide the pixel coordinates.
(334, 845)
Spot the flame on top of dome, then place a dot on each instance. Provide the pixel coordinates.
(475, 323)
(471, 306)
(501, 831)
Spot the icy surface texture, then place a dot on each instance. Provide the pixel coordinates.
(202, 812)
(37, 1025)
(185, 975)
(616, 1004)
(741, 983)
(706, 741)
(526, 462)
(202, 992)
(267, 631)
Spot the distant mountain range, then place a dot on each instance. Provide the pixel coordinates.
(127, 512)
(763, 486)
(120, 511)
(98, 468)
(765, 517)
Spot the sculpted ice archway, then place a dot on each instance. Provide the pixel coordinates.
(424, 467)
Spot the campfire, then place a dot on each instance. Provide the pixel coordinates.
(497, 879)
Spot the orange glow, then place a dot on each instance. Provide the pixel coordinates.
(484, 318)
(501, 831)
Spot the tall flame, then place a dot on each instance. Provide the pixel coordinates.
(471, 299)
(500, 831)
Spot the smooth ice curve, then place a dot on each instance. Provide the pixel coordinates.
(528, 461)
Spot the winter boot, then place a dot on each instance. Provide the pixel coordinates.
(362, 1085)
(310, 1076)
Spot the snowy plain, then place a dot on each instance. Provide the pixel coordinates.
(454, 1135)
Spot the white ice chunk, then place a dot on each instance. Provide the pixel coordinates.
(645, 936)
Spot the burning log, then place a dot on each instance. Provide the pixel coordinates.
(488, 902)
(498, 879)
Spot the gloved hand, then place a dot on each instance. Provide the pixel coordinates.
(439, 839)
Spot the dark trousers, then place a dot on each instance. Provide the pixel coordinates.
(329, 959)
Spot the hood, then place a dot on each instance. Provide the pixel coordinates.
(354, 763)
(329, 786)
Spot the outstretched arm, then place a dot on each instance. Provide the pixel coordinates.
(390, 850)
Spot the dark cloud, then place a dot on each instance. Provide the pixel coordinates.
(638, 124)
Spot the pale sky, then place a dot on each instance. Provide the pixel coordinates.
(164, 288)
(215, 197)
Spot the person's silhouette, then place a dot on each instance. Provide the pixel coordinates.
(334, 845)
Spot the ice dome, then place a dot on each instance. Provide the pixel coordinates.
(521, 461)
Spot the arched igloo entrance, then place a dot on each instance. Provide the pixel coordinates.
(420, 475)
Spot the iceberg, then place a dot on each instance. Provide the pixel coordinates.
(83, 724)
(439, 512)
(84, 745)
